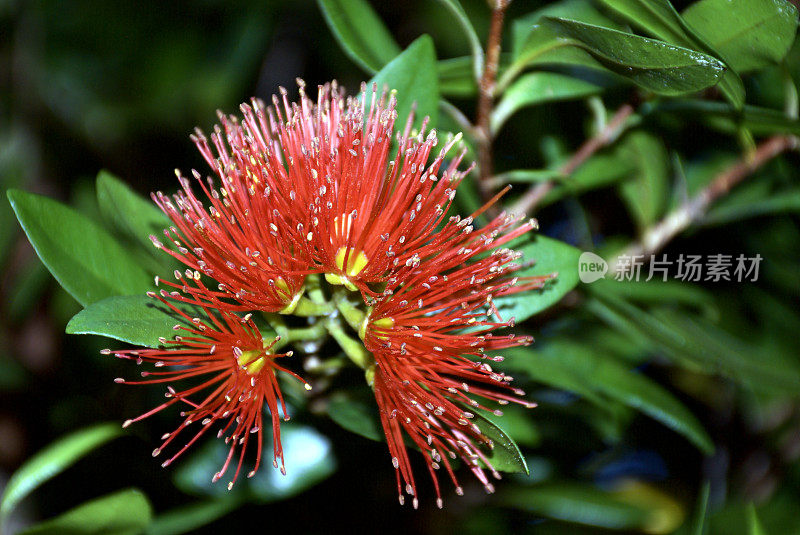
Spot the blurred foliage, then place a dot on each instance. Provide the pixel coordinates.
(664, 407)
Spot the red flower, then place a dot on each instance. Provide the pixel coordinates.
(371, 209)
(231, 374)
(315, 187)
(436, 317)
(254, 238)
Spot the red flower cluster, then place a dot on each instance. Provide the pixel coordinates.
(317, 188)
(233, 369)
(430, 334)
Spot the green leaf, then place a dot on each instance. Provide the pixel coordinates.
(308, 455)
(753, 525)
(602, 169)
(518, 424)
(639, 392)
(580, 504)
(738, 208)
(529, 176)
(539, 88)
(455, 77)
(356, 416)
(133, 215)
(360, 32)
(657, 291)
(52, 460)
(83, 257)
(580, 10)
(602, 374)
(659, 19)
(188, 518)
(656, 17)
(454, 6)
(698, 343)
(701, 510)
(749, 34)
(136, 319)
(532, 44)
(413, 75)
(125, 512)
(760, 121)
(544, 365)
(505, 454)
(645, 193)
(654, 65)
(549, 256)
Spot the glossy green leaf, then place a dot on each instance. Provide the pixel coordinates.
(413, 75)
(651, 64)
(580, 368)
(580, 504)
(659, 19)
(125, 512)
(52, 460)
(517, 422)
(749, 34)
(656, 17)
(360, 32)
(646, 191)
(83, 257)
(580, 10)
(542, 47)
(131, 214)
(136, 319)
(504, 454)
(550, 257)
(308, 456)
(539, 88)
(356, 416)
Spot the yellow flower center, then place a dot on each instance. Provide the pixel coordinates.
(356, 262)
(381, 323)
(252, 361)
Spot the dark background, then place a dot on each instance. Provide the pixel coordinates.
(119, 86)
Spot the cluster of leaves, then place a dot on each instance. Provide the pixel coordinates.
(645, 388)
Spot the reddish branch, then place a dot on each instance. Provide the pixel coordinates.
(694, 209)
(531, 198)
(486, 91)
